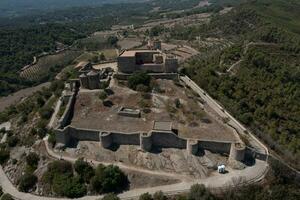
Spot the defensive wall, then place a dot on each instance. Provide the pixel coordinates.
(168, 76)
(147, 141)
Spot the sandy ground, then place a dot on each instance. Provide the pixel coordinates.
(20, 95)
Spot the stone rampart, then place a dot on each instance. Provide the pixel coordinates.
(167, 140)
(146, 141)
(126, 139)
(68, 113)
(84, 134)
(215, 146)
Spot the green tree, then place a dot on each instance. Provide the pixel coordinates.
(27, 182)
(7, 197)
(12, 141)
(138, 78)
(4, 156)
(84, 169)
(32, 159)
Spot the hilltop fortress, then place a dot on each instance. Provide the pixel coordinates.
(131, 125)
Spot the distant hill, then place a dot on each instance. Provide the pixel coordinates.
(12, 8)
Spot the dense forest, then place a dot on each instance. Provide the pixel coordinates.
(30, 36)
(264, 90)
(23, 37)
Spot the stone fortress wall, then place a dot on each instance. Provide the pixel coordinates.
(147, 141)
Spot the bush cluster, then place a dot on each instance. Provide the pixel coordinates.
(64, 182)
(139, 80)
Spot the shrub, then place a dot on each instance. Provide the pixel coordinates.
(110, 196)
(6, 197)
(138, 78)
(52, 139)
(27, 182)
(199, 192)
(4, 156)
(109, 91)
(104, 85)
(12, 141)
(159, 196)
(32, 159)
(102, 95)
(146, 196)
(69, 187)
(46, 112)
(57, 168)
(108, 103)
(84, 169)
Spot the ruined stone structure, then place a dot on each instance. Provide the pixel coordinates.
(128, 112)
(93, 79)
(147, 60)
(83, 66)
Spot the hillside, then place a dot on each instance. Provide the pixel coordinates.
(257, 77)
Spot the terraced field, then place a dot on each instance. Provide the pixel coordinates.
(47, 63)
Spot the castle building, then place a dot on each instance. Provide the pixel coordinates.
(153, 61)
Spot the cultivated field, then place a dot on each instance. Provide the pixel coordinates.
(44, 64)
